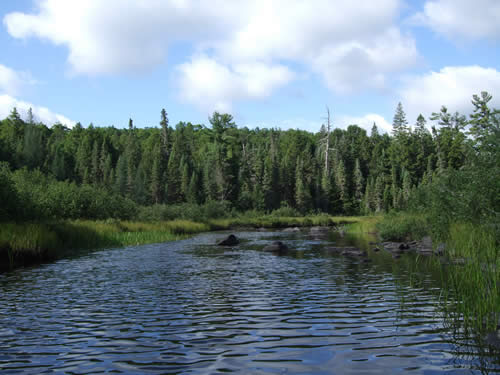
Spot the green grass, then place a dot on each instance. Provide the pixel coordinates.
(403, 227)
(366, 224)
(477, 282)
(274, 221)
(24, 243)
(470, 292)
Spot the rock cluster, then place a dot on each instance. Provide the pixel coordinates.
(422, 247)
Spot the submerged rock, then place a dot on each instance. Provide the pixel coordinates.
(347, 251)
(354, 253)
(294, 229)
(230, 240)
(319, 229)
(276, 247)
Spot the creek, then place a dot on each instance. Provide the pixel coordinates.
(193, 307)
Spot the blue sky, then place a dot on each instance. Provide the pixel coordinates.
(270, 63)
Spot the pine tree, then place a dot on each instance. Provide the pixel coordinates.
(192, 193)
(164, 132)
(155, 181)
(420, 126)
(30, 119)
(185, 179)
(95, 170)
(399, 123)
(340, 179)
(378, 194)
(302, 193)
(121, 175)
(358, 183)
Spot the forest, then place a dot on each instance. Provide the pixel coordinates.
(451, 172)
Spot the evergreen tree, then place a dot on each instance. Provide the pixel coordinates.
(164, 132)
(399, 123)
(358, 183)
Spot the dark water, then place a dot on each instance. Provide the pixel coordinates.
(190, 307)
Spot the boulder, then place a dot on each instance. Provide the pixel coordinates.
(230, 240)
(403, 246)
(276, 247)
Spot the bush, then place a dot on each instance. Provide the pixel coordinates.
(186, 211)
(403, 226)
(286, 211)
(9, 209)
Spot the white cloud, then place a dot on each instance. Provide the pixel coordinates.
(213, 86)
(340, 121)
(365, 122)
(452, 87)
(462, 18)
(243, 43)
(42, 114)
(12, 81)
(121, 35)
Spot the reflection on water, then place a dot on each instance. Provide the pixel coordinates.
(192, 307)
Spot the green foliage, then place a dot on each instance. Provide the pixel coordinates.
(402, 227)
(101, 172)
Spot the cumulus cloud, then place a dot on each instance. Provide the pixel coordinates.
(115, 36)
(40, 113)
(462, 18)
(366, 122)
(452, 86)
(244, 44)
(12, 81)
(213, 86)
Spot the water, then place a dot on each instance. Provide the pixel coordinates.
(192, 307)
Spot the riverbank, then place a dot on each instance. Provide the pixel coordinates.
(468, 262)
(30, 242)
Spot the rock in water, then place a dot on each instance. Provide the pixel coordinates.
(294, 229)
(276, 247)
(230, 240)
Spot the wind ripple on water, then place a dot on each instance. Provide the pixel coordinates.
(186, 307)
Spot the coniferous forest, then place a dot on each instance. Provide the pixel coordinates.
(99, 172)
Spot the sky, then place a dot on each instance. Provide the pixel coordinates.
(269, 63)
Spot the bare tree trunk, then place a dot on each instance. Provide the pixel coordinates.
(327, 147)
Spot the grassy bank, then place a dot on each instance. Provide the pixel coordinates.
(469, 267)
(25, 243)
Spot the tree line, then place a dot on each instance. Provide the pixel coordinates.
(99, 172)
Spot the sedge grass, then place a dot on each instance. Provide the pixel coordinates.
(23, 243)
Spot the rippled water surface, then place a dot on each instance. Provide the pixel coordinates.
(192, 307)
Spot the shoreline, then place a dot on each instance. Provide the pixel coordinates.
(30, 243)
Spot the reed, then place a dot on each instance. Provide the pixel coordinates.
(472, 290)
(403, 226)
(25, 243)
(366, 224)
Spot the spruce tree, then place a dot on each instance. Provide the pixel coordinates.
(399, 122)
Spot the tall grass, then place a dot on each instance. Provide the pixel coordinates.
(403, 226)
(275, 221)
(470, 278)
(476, 282)
(24, 243)
(366, 224)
